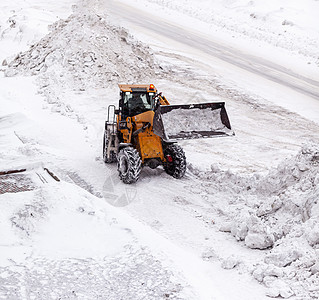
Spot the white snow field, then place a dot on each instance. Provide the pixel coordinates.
(242, 223)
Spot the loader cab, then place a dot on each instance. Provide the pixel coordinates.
(136, 100)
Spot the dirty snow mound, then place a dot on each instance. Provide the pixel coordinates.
(278, 213)
(85, 51)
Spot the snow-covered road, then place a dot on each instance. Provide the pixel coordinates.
(232, 63)
(149, 21)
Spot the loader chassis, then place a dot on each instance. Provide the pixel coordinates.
(129, 137)
(135, 135)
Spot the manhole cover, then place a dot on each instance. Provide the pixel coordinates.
(16, 181)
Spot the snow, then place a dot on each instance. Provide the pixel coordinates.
(185, 120)
(242, 223)
(24, 23)
(280, 214)
(52, 229)
(251, 26)
(85, 51)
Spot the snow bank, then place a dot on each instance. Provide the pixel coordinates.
(85, 51)
(80, 54)
(277, 212)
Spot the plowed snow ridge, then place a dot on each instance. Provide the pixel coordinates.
(277, 211)
(84, 51)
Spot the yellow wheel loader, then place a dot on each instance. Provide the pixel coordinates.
(144, 129)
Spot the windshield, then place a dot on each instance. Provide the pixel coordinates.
(137, 102)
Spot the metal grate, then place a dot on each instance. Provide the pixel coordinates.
(15, 183)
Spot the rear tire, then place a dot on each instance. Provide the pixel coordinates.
(129, 165)
(177, 166)
(112, 157)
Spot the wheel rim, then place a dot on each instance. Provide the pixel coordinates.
(170, 164)
(123, 166)
(169, 158)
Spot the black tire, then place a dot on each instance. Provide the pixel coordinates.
(129, 165)
(177, 166)
(112, 157)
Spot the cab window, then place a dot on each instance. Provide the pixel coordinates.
(135, 103)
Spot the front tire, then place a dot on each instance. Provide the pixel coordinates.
(175, 164)
(129, 165)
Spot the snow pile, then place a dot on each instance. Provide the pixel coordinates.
(279, 213)
(287, 217)
(85, 51)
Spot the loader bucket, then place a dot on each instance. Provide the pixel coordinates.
(190, 121)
